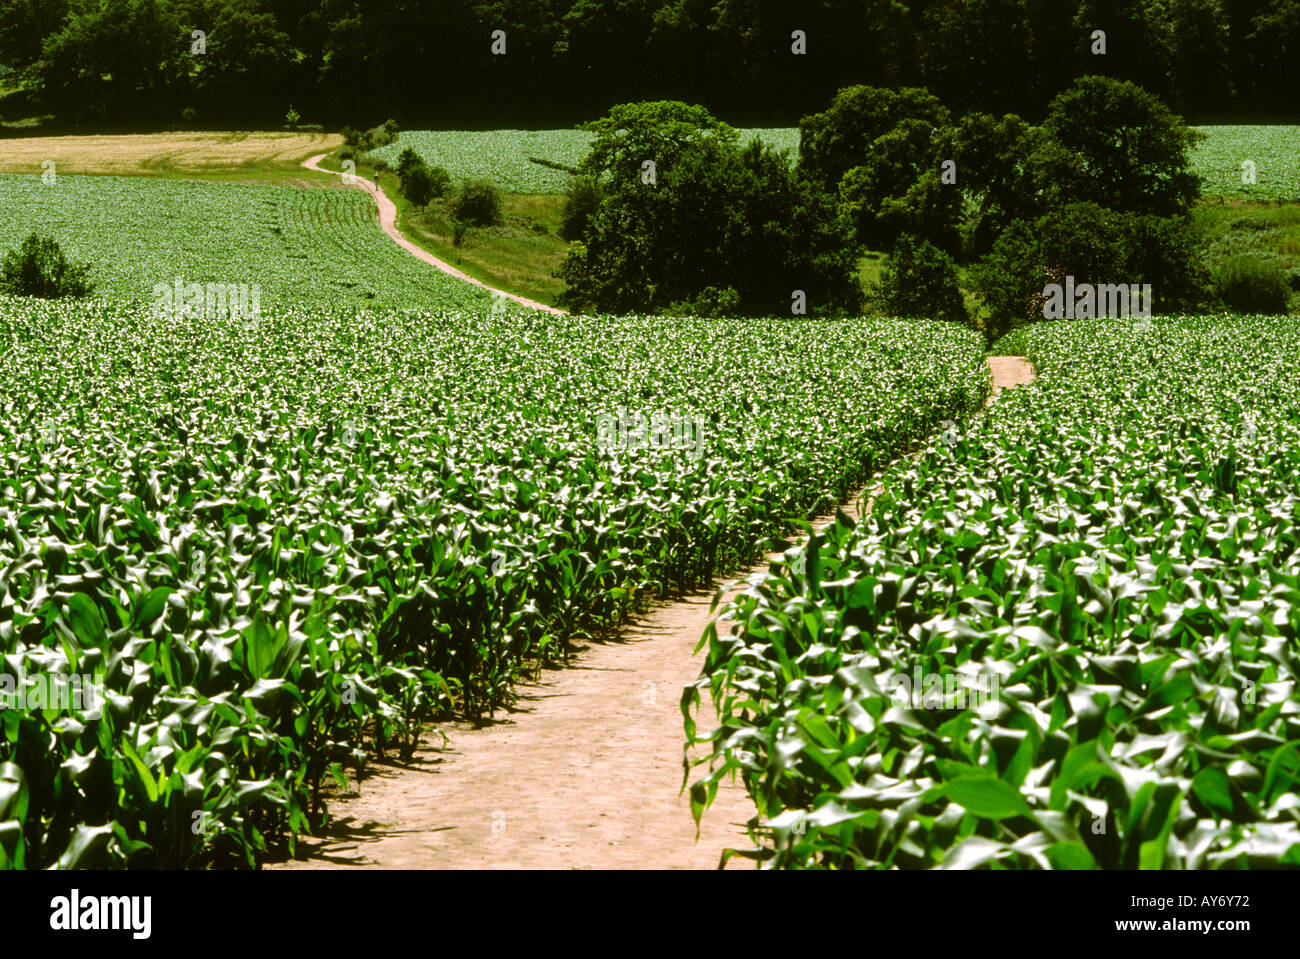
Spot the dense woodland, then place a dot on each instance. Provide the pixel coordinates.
(134, 63)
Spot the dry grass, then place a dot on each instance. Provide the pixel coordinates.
(256, 157)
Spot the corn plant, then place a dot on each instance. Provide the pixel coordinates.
(291, 545)
(1111, 554)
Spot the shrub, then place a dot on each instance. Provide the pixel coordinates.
(478, 203)
(417, 185)
(1087, 242)
(920, 280)
(439, 179)
(1094, 245)
(1009, 281)
(1097, 245)
(39, 268)
(1165, 252)
(421, 183)
(1249, 223)
(1251, 284)
(711, 301)
(582, 200)
(363, 141)
(407, 162)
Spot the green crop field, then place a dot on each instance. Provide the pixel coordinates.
(278, 545)
(507, 157)
(309, 248)
(283, 546)
(1111, 553)
(1274, 150)
(439, 436)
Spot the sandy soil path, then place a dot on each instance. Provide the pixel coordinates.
(1010, 371)
(388, 222)
(585, 773)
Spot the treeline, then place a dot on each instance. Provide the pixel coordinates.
(555, 62)
(673, 213)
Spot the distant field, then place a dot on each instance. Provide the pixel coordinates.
(1275, 151)
(503, 155)
(302, 247)
(210, 155)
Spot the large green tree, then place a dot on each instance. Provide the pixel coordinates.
(1113, 143)
(841, 136)
(878, 150)
(992, 174)
(686, 213)
(24, 25)
(1107, 189)
(248, 55)
(116, 59)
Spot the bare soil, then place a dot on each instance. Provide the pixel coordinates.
(1009, 371)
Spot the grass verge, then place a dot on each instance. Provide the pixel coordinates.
(519, 257)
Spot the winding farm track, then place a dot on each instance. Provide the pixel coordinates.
(585, 773)
(388, 223)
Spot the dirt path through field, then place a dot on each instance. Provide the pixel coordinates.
(585, 774)
(1009, 371)
(388, 222)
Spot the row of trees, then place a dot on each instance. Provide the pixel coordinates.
(558, 61)
(1101, 190)
(674, 213)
